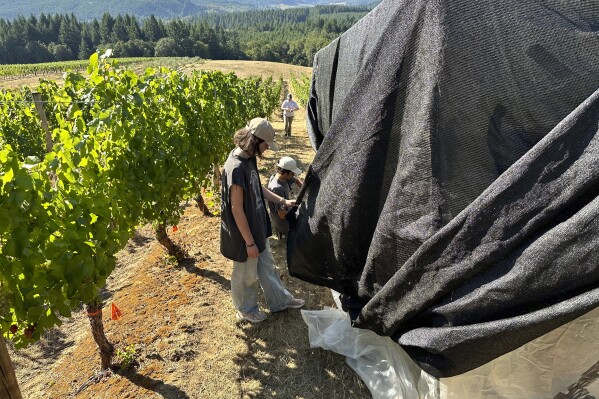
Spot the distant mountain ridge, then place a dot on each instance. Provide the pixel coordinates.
(90, 9)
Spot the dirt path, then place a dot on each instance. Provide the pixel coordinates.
(180, 320)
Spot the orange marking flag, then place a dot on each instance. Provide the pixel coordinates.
(115, 313)
(175, 229)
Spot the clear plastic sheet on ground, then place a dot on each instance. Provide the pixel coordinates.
(555, 365)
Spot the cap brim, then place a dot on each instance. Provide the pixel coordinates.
(272, 145)
(298, 171)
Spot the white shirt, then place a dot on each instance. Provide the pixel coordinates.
(291, 105)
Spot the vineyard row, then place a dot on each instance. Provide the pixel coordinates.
(128, 148)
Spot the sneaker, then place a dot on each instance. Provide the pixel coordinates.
(255, 317)
(295, 303)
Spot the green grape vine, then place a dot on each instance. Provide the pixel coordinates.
(128, 149)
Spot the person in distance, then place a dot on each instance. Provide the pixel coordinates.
(280, 183)
(289, 107)
(245, 226)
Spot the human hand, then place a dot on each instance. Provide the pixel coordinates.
(253, 251)
(290, 203)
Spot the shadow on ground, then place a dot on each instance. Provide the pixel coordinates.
(53, 342)
(191, 265)
(279, 362)
(165, 390)
(137, 241)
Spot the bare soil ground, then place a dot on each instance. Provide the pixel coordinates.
(181, 320)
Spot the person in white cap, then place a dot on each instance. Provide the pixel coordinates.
(245, 226)
(280, 183)
(289, 107)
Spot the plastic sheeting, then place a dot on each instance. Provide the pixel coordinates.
(563, 363)
(386, 369)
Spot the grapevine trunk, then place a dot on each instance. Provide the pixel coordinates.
(172, 248)
(94, 312)
(202, 206)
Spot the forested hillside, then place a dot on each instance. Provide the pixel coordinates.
(87, 10)
(289, 36)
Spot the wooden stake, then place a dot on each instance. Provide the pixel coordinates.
(9, 387)
(216, 177)
(39, 107)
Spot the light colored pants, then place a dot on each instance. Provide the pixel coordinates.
(261, 271)
(287, 120)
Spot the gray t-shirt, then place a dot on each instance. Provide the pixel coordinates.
(244, 173)
(282, 188)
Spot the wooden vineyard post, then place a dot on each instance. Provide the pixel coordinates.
(9, 387)
(39, 107)
(216, 177)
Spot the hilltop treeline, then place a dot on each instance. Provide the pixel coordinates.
(289, 36)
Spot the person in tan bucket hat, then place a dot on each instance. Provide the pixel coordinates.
(261, 128)
(245, 225)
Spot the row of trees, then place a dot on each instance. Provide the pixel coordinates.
(63, 38)
(290, 36)
(331, 18)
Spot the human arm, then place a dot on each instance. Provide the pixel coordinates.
(280, 209)
(241, 220)
(277, 199)
(298, 182)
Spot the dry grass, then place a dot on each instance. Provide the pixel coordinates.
(181, 320)
(241, 68)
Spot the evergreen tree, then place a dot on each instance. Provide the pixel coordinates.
(69, 34)
(86, 47)
(200, 48)
(94, 33)
(53, 28)
(33, 34)
(179, 31)
(15, 32)
(119, 30)
(152, 29)
(106, 25)
(213, 45)
(133, 29)
(43, 27)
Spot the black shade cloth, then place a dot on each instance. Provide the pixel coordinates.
(453, 196)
